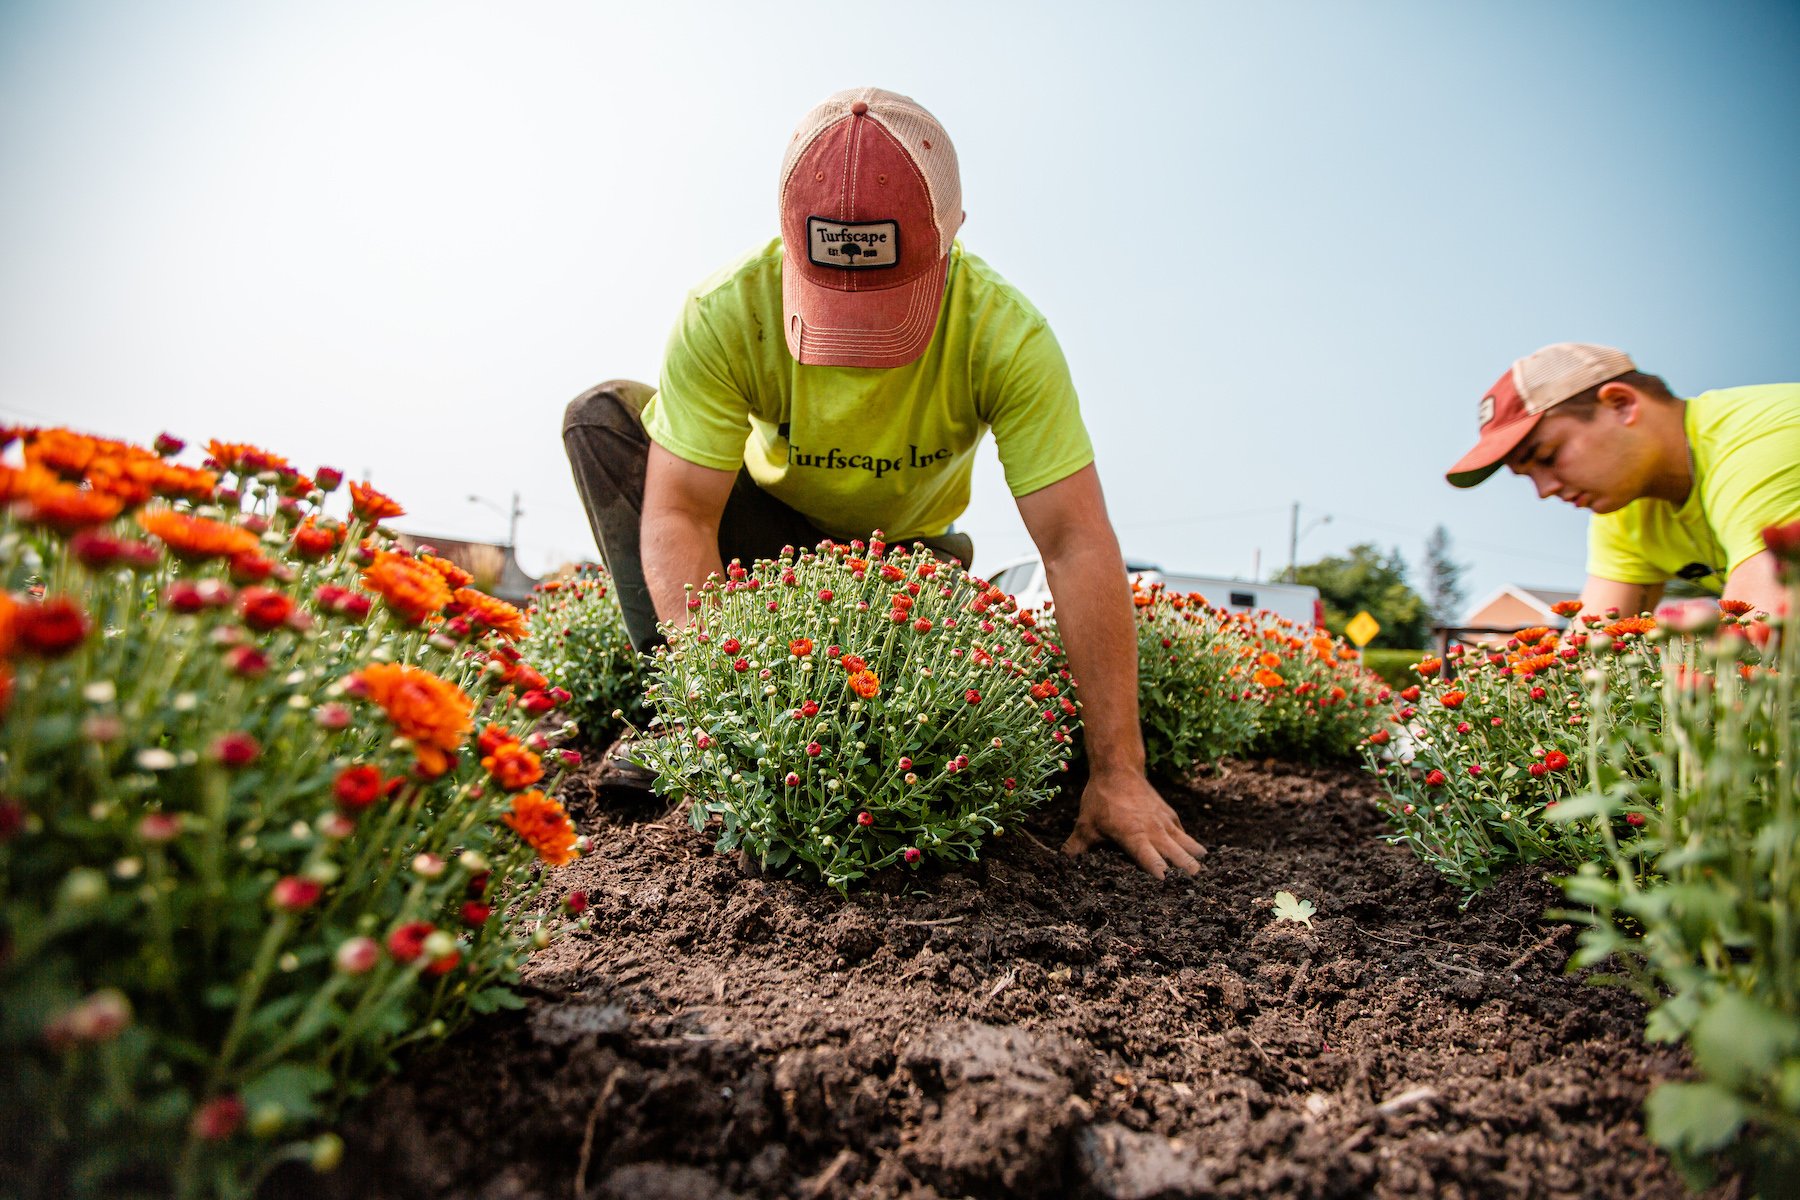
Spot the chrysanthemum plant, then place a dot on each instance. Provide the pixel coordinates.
(1196, 702)
(1701, 914)
(852, 708)
(247, 849)
(1317, 701)
(579, 641)
(1496, 742)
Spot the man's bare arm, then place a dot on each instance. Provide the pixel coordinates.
(1598, 595)
(680, 534)
(1068, 523)
(1757, 582)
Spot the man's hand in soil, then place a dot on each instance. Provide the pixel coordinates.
(1126, 809)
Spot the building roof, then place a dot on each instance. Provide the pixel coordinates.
(1539, 598)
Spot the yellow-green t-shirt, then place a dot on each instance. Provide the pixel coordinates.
(1745, 444)
(855, 449)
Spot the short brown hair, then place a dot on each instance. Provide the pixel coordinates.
(1582, 404)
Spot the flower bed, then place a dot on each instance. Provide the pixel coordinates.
(272, 810)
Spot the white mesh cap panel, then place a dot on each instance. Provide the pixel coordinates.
(917, 130)
(1549, 376)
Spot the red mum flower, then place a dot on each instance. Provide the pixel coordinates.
(355, 788)
(236, 749)
(218, 1118)
(864, 819)
(408, 941)
(264, 608)
(50, 629)
(1436, 778)
(292, 893)
(972, 696)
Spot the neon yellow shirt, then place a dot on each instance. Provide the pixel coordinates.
(1745, 444)
(855, 449)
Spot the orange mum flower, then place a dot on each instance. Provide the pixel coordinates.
(63, 451)
(67, 509)
(1533, 664)
(1143, 599)
(1736, 608)
(22, 483)
(800, 647)
(543, 825)
(513, 766)
(1453, 699)
(430, 712)
(865, 683)
(1268, 679)
(196, 539)
(1268, 660)
(371, 505)
(1534, 634)
(411, 590)
(246, 459)
(1566, 608)
(497, 615)
(1631, 625)
(1429, 666)
(453, 575)
(185, 483)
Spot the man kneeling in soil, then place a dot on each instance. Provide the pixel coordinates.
(1678, 488)
(837, 380)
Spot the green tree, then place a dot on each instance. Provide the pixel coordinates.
(1443, 579)
(1366, 578)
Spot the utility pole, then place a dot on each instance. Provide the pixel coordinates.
(512, 528)
(1293, 540)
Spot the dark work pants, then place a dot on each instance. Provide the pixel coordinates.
(603, 435)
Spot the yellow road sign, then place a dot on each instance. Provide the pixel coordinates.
(1362, 629)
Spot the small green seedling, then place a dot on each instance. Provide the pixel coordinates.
(1288, 907)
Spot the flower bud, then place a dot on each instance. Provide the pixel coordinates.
(82, 888)
(428, 866)
(294, 894)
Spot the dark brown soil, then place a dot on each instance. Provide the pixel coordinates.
(1038, 1026)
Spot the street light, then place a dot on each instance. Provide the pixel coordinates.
(512, 528)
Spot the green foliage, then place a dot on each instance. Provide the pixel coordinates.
(579, 641)
(245, 857)
(1367, 580)
(856, 708)
(1474, 768)
(1395, 667)
(1317, 701)
(1702, 914)
(1193, 709)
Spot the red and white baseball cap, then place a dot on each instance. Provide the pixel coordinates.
(1530, 388)
(870, 202)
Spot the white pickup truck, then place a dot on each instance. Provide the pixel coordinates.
(1023, 579)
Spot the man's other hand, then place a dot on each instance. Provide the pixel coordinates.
(1125, 809)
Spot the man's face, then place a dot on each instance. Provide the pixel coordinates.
(1594, 463)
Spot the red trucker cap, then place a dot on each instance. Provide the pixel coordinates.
(1531, 387)
(871, 200)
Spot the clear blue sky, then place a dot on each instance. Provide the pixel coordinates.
(1286, 246)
